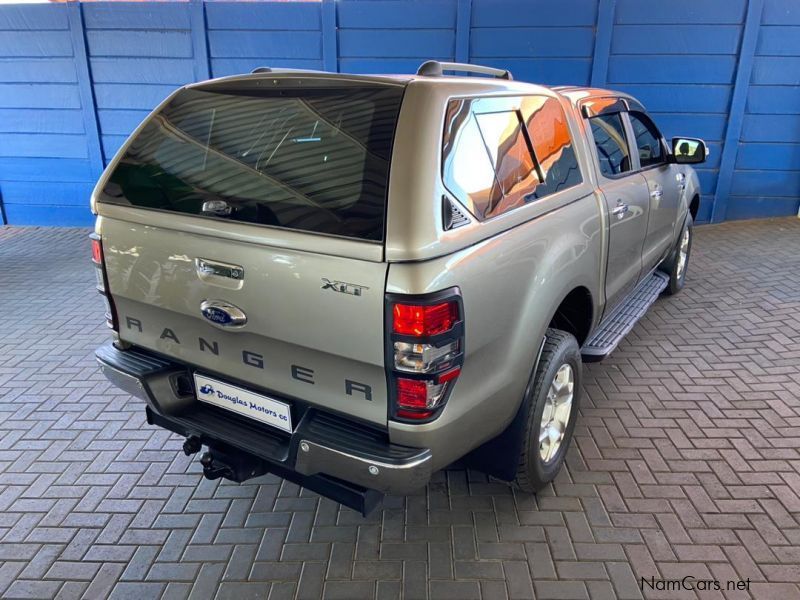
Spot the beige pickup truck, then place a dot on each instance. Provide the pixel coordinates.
(354, 281)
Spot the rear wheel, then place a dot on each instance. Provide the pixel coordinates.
(678, 262)
(553, 400)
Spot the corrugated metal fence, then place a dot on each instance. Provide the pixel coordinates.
(76, 78)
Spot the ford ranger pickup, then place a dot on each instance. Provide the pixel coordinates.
(354, 281)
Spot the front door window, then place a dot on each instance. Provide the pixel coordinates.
(648, 140)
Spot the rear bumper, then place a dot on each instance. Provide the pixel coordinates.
(332, 455)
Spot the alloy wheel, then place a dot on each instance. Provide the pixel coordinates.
(557, 412)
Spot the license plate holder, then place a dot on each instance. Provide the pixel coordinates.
(258, 407)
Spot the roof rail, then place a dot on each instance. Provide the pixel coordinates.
(435, 68)
(284, 70)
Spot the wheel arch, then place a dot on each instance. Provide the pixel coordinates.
(499, 456)
(694, 206)
(575, 313)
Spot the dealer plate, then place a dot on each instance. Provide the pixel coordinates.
(255, 406)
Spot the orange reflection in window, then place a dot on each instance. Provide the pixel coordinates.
(487, 160)
(547, 126)
(596, 106)
(513, 163)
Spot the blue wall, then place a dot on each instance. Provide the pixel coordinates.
(75, 78)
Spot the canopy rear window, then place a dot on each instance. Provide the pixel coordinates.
(306, 159)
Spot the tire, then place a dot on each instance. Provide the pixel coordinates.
(672, 266)
(534, 470)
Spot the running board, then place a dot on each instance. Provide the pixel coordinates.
(617, 326)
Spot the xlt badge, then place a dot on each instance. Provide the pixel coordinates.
(343, 287)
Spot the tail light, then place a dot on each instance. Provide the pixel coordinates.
(98, 260)
(425, 350)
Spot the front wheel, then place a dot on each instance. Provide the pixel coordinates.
(553, 400)
(678, 262)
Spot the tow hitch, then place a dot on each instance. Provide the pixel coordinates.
(213, 469)
(224, 460)
(238, 467)
(233, 465)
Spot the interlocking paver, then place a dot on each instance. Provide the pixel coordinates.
(686, 462)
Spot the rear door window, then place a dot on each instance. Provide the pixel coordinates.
(610, 144)
(310, 160)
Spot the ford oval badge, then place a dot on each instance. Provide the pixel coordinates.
(223, 314)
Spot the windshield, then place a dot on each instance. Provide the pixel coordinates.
(311, 160)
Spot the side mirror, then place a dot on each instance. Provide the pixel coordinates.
(688, 151)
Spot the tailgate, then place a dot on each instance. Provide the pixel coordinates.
(306, 335)
(243, 227)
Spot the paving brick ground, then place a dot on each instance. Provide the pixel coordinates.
(687, 463)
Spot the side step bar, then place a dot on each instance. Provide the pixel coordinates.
(622, 320)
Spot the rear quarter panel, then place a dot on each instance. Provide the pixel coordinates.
(511, 285)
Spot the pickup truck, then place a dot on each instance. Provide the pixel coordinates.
(354, 281)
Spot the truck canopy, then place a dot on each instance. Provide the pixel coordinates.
(302, 164)
(307, 155)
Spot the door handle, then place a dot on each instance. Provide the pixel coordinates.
(620, 210)
(656, 194)
(209, 267)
